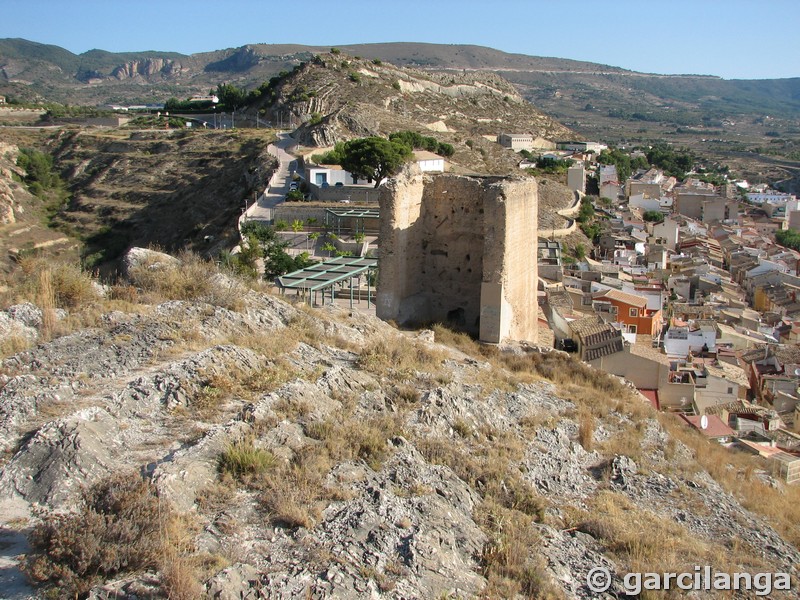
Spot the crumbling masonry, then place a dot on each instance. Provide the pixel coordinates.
(461, 251)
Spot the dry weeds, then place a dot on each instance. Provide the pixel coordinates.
(733, 471)
(509, 560)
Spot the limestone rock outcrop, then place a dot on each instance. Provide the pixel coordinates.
(146, 68)
(404, 459)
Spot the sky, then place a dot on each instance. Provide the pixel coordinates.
(733, 39)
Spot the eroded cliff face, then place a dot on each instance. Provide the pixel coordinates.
(8, 159)
(147, 68)
(460, 250)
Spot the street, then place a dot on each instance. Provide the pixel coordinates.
(275, 194)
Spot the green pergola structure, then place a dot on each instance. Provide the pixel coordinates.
(326, 276)
(335, 216)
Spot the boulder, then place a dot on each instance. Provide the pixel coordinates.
(143, 257)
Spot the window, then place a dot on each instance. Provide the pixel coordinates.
(633, 312)
(631, 328)
(730, 390)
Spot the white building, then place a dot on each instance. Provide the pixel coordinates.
(645, 202)
(679, 341)
(771, 196)
(516, 141)
(429, 162)
(581, 146)
(325, 176)
(576, 178)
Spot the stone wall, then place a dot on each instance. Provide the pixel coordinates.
(462, 251)
(354, 193)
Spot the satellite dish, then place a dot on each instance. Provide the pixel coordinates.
(704, 422)
(797, 372)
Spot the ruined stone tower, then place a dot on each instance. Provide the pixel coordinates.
(461, 251)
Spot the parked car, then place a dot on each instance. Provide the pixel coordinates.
(293, 186)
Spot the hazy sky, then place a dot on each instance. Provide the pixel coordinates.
(745, 39)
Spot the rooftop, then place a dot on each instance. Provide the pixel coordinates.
(724, 370)
(323, 275)
(425, 155)
(623, 297)
(715, 428)
(593, 331)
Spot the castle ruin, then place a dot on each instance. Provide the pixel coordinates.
(461, 251)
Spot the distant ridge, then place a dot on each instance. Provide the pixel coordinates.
(30, 70)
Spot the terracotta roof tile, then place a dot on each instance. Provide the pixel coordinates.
(624, 297)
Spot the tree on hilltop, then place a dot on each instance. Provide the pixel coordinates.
(374, 158)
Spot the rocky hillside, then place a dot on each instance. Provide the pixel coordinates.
(22, 214)
(174, 189)
(185, 435)
(335, 97)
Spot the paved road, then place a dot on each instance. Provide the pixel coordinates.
(276, 193)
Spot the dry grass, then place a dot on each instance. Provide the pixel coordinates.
(400, 358)
(52, 285)
(458, 340)
(462, 428)
(191, 278)
(531, 422)
(405, 395)
(295, 494)
(47, 302)
(733, 470)
(488, 463)
(586, 430)
(67, 285)
(666, 547)
(218, 389)
(217, 496)
(179, 579)
(274, 344)
(508, 560)
(14, 344)
(352, 439)
(49, 285)
(627, 441)
(592, 388)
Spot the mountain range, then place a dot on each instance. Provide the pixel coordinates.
(560, 87)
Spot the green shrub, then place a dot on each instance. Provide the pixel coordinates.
(653, 216)
(242, 459)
